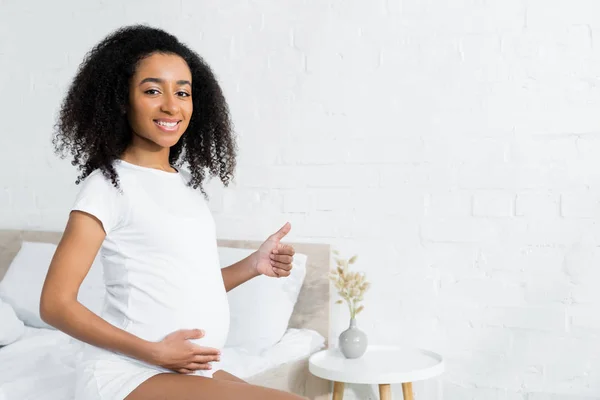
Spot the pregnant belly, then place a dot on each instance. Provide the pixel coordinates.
(153, 322)
(214, 321)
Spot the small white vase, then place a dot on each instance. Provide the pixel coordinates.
(353, 341)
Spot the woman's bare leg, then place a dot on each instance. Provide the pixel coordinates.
(190, 387)
(226, 376)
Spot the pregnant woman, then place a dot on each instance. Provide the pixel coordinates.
(140, 107)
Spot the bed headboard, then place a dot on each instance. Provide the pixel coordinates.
(311, 310)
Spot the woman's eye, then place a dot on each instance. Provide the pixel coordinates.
(151, 91)
(184, 94)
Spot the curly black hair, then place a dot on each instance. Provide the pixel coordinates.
(92, 125)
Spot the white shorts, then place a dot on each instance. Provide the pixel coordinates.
(105, 375)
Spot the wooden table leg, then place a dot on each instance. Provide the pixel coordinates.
(407, 391)
(385, 392)
(338, 390)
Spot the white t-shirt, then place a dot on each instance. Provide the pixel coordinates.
(161, 265)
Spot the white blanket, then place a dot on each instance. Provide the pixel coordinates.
(41, 364)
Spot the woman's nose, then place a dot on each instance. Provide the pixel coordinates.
(169, 104)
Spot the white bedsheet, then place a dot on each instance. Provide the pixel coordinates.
(41, 364)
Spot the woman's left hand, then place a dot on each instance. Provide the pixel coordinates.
(274, 258)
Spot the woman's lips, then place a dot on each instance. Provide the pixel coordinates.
(167, 126)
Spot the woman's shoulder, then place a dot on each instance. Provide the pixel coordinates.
(100, 198)
(97, 182)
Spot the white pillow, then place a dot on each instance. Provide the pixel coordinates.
(11, 328)
(23, 282)
(261, 308)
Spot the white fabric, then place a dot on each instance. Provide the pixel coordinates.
(160, 259)
(294, 345)
(11, 327)
(41, 365)
(22, 284)
(261, 308)
(161, 271)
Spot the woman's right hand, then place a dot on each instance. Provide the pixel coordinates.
(177, 353)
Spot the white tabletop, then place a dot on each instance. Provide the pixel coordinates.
(379, 365)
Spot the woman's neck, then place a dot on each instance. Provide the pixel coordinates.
(158, 159)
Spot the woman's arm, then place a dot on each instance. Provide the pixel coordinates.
(240, 272)
(59, 307)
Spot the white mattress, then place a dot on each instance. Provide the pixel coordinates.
(40, 365)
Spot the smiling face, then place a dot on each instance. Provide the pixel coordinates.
(160, 100)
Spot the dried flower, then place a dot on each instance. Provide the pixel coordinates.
(351, 286)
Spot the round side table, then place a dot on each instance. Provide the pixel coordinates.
(380, 365)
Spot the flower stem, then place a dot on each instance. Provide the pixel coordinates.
(350, 308)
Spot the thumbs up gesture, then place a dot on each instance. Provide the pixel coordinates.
(274, 258)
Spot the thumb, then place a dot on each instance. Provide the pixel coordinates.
(285, 229)
(193, 333)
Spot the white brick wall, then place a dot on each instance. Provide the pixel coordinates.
(453, 145)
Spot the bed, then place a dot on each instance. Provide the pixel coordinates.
(46, 356)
